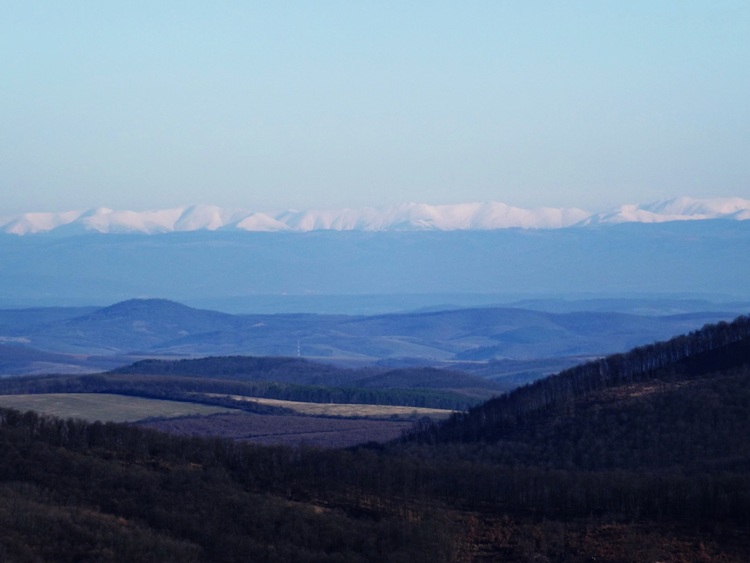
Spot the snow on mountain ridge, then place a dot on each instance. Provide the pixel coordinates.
(31, 223)
(402, 217)
(677, 209)
(687, 206)
(105, 220)
(420, 216)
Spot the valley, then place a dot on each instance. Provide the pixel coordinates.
(375, 282)
(322, 425)
(553, 430)
(640, 455)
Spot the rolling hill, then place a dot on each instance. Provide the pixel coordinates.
(677, 403)
(494, 341)
(639, 456)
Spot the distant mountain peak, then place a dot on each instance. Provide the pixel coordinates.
(403, 217)
(147, 303)
(150, 306)
(676, 209)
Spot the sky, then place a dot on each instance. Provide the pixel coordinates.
(271, 105)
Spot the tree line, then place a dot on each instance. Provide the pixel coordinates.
(195, 389)
(714, 347)
(671, 451)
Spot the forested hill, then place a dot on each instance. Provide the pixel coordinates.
(643, 456)
(236, 367)
(665, 366)
(300, 371)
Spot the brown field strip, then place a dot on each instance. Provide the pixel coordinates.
(106, 407)
(349, 410)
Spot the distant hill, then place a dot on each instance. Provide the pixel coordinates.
(136, 324)
(493, 340)
(16, 359)
(14, 320)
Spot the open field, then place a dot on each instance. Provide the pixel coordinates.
(322, 425)
(329, 426)
(349, 410)
(285, 430)
(106, 407)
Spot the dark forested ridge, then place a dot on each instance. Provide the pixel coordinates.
(714, 348)
(195, 389)
(74, 491)
(304, 380)
(294, 379)
(305, 372)
(643, 456)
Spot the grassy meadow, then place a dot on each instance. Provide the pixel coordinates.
(106, 407)
(351, 410)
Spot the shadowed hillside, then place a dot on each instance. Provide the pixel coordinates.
(642, 456)
(714, 348)
(299, 371)
(214, 380)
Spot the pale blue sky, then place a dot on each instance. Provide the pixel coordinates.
(274, 105)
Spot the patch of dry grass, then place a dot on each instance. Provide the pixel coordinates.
(351, 410)
(106, 407)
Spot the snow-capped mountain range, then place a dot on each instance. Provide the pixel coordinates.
(404, 217)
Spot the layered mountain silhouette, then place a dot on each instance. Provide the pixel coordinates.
(403, 217)
(496, 341)
(679, 403)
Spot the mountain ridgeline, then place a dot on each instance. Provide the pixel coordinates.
(511, 345)
(407, 216)
(720, 347)
(304, 372)
(213, 379)
(298, 379)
